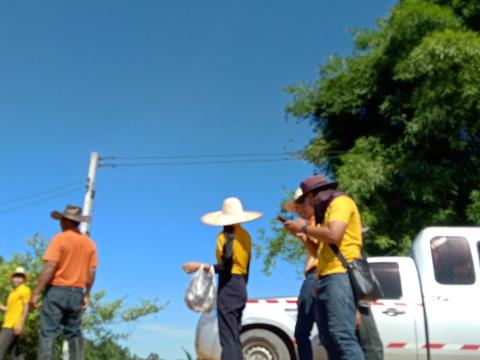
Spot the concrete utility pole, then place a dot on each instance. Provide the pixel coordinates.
(87, 211)
(90, 194)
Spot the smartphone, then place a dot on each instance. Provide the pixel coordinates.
(282, 218)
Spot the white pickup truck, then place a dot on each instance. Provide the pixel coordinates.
(431, 308)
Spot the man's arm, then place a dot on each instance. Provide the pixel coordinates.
(332, 233)
(310, 245)
(45, 278)
(90, 281)
(3, 308)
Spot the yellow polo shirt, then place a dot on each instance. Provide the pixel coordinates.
(345, 210)
(17, 299)
(242, 245)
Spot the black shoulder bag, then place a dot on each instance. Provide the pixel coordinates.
(364, 282)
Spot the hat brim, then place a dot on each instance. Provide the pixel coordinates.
(330, 185)
(218, 218)
(13, 274)
(57, 215)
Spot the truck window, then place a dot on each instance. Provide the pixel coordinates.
(388, 274)
(452, 260)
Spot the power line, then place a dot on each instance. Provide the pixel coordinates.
(40, 201)
(45, 192)
(110, 161)
(205, 156)
(242, 161)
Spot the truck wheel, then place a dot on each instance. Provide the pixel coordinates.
(260, 344)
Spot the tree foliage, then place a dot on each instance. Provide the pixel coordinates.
(98, 321)
(397, 121)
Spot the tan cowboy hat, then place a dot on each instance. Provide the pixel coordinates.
(19, 271)
(231, 213)
(71, 212)
(291, 205)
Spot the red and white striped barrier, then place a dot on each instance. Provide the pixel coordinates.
(434, 346)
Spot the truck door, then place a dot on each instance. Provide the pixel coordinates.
(399, 315)
(451, 298)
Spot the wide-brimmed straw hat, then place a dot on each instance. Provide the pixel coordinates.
(316, 182)
(19, 271)
(291, 205)
(232, 213)
(71, 212)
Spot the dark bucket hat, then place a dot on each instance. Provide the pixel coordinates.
(316, 182)
(71, 212)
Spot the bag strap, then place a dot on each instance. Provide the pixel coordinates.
(339, 254)
(342, 259)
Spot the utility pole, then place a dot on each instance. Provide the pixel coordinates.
(87, 211)
(90, 194)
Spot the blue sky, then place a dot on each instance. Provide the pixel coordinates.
(161, 78)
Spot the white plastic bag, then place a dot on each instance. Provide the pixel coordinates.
(201, 294)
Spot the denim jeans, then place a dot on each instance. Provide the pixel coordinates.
(305, 316)
(61, 310)
(335, 309)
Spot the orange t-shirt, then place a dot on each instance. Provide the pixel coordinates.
(74, 254)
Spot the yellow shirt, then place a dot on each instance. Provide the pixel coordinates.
(242, 244)
(345, 210)
(17, 299)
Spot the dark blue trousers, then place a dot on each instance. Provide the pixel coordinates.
(61, 310)
(306, 316)
(231, 300)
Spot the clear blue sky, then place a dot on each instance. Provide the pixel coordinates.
(138, 78)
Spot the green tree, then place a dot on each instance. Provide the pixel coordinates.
(397, 122)
(98, 321)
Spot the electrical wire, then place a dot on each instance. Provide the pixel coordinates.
(214, 162)
(209, 156)
(40, 201)
(45, 192)
(176, 157)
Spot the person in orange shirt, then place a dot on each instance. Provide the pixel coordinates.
(16, 312)
(67, 278)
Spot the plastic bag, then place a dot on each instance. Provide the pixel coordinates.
(201, 294)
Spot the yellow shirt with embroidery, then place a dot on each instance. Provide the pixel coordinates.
(17, 299)
(242, 245)
(342, 209)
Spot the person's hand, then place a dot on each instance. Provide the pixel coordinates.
(191, 267)
(86, 302)
(302, 236)
(35, 301)
(18, 330)
(358, 320)
(294, 226)
(3, 308)
(206, 267)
